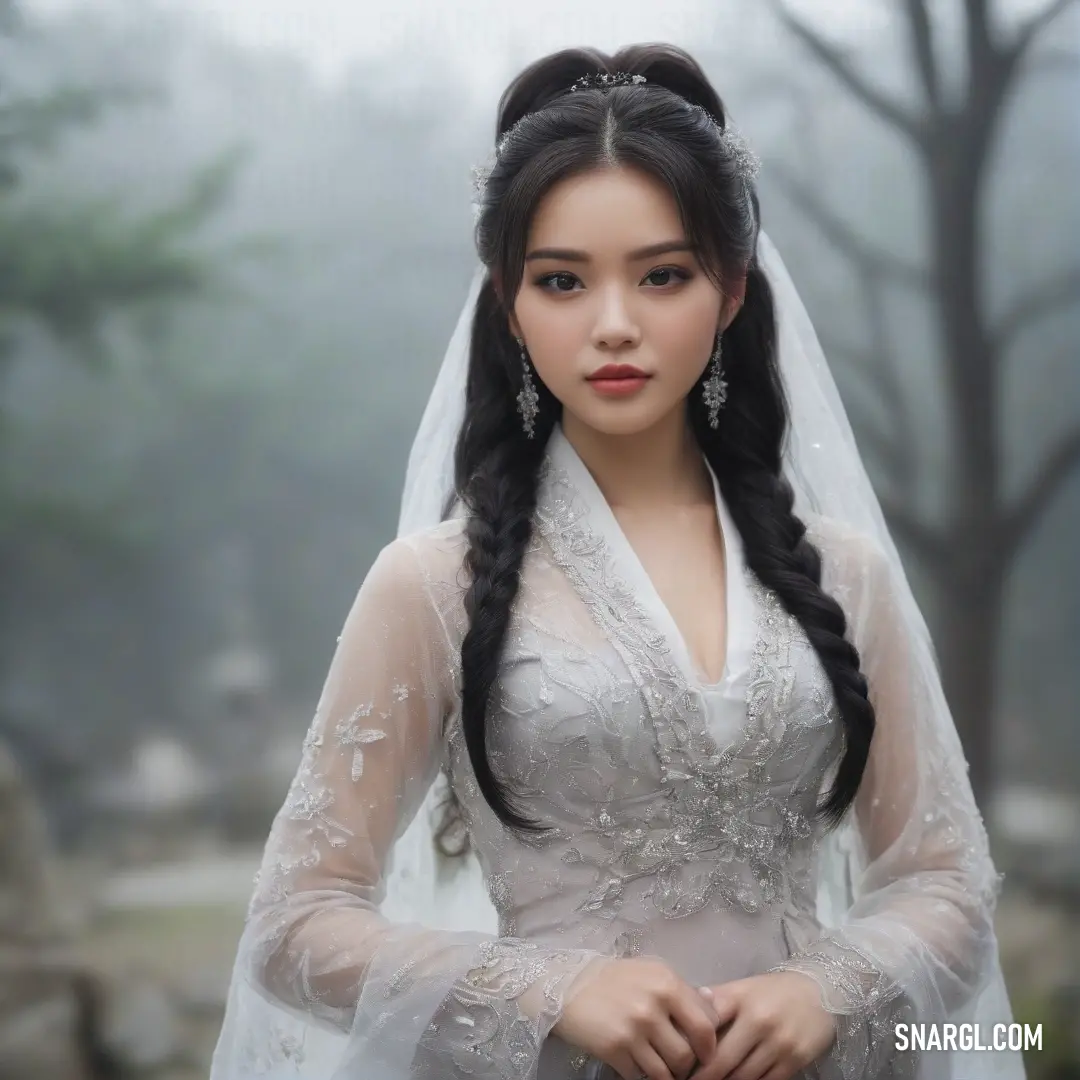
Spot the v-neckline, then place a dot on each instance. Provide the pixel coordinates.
(564, 453)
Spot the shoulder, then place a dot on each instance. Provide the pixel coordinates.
(436, 550)
(411, 587)
(855, 566)
(425, 563)
(843, 541)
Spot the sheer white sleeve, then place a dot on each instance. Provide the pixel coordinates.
(324, 985)
(917, 942)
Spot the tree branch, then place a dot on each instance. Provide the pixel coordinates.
(988, 67)
(1035, 24)
(978, 26)
(870, 259)
(922, 44)
(833, 59)
(1029, 508)
(1062, 291)
(924, 540)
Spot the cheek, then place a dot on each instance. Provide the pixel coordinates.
(557, 334)
(683, 334)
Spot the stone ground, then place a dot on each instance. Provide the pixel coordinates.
(169, 934)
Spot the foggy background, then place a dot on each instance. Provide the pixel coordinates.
(235, 236)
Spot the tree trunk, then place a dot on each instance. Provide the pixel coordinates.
(968, 642)
(971, 581)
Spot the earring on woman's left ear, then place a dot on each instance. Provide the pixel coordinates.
(714, 390)
(528, 400)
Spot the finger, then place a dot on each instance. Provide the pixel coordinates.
(734, 1046)
(724, 1002)
(757, 1064)
(623, 1063)
(706, 995)
(650, 1063)
(698, 1021)
(672, 1045)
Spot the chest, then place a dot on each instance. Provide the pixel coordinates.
(684, 557)
(604, 740)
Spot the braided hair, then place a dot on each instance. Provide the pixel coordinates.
(672, 127)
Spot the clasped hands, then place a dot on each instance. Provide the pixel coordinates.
(769, 1028)
(642, 1019)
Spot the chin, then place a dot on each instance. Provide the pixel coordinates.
(620, 419)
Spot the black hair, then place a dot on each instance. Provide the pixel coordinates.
(669, 126)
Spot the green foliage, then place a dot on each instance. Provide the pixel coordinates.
(38, 124)
(1059, 1058)
(71, 269)
(70, 266)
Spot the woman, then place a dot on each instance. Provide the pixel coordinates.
(680, 719)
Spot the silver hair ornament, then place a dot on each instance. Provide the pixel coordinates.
(606, 82)
(747, 163)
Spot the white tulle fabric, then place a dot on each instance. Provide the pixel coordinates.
(681, 812)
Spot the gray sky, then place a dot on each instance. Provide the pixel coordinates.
(485, 39)
(484, 43)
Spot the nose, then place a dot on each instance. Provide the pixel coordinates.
(615, 325)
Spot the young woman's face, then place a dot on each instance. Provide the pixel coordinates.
(608, 280)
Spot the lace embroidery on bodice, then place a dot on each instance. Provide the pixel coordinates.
(725, 825)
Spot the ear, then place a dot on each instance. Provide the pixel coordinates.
(733, 302)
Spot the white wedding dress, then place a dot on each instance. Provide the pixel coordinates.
(680, 813)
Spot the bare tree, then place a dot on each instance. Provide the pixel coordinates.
(971, 554)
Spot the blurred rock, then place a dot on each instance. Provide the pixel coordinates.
(38, 1034)
(164, 777)
(1039, 942)
(48, 1000)
(142, 1025)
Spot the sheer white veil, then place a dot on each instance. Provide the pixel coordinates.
(824, 466)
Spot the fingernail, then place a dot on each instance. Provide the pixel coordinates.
(705, 991)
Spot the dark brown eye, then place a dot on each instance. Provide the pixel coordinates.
(671, 274)
(548, 281)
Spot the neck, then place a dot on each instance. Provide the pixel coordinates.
(659, 466)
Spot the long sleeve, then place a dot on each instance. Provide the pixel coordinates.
(917, 944)
(405, 1000)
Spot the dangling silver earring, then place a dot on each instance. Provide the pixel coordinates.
(528, 400)
(715, 387)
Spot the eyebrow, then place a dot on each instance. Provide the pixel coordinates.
(572, 255)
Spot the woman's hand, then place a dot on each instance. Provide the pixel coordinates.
(775, 1026)
(642, 1019)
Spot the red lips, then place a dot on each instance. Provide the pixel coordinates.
(618, 371)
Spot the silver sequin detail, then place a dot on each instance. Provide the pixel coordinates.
(728, 833)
